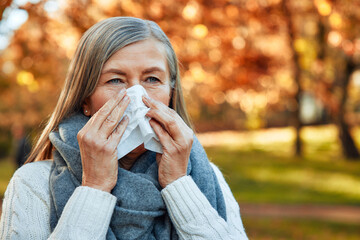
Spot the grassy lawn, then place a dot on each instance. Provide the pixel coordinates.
(260, 168)
(259, 176)
(256, 176)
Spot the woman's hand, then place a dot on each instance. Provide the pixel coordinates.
(98, 140)
(175, 137)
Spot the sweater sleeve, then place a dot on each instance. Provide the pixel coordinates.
(86, 215)
(26, 208)
(195, 218)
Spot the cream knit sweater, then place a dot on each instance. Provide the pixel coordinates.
(87, 214)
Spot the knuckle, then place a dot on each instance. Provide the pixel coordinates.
(181, 148)
(86, 138)
(153, 104)
(150, 113)
(80, 135)
(95, 144)
(190, 140)
(118, 109)
(155, 112)
(104, 110)
(172, 149)
(172, 122)
(110, 121)
(190, 136)
(92, 142)
(108, 148)
(189, 145)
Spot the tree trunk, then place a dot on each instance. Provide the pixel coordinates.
(349, 148)
(296, 69)
(347, 143)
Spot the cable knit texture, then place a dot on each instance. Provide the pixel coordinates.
(140, 212)
(87, 214)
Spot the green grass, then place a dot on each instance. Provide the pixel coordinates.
(257, 176)
(261, 168)
(273, 228)
(7, 169)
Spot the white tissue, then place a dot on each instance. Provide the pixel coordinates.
(138, 130)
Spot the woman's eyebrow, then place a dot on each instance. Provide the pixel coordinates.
(152, 69)
(148, 70)
(114, 70)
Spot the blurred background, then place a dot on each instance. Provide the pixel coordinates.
(271, 85)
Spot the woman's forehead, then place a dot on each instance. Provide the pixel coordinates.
(148, 53)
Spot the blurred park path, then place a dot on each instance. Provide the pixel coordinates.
(344, 214)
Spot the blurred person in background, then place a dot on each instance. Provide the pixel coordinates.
(74, 186)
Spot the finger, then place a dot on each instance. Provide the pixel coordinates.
(164, 137)
(115, 137)
(99, 117)
(168, 122)
(157, 105)
(171, 121)
(152, 103)
(114, 117)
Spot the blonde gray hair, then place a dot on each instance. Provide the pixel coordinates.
(96, 46)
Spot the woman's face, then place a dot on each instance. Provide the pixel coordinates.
(142, 63)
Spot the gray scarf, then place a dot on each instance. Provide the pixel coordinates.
(140, 212)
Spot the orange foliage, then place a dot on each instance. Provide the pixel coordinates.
(235, 55)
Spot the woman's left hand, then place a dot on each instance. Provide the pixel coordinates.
(175, 137)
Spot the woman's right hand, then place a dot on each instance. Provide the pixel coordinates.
(98, 141)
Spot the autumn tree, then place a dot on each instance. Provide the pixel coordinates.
(237, 57)
(291, 30)
(221, 65)
(338, 37)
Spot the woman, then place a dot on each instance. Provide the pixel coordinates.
(85, 192)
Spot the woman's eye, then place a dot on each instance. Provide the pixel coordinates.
(115, 81)
(152, 80)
